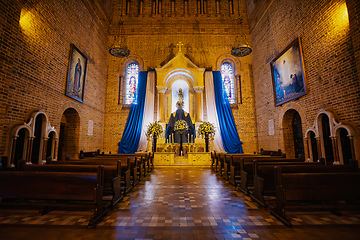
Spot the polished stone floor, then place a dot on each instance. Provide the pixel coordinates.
(180, 203)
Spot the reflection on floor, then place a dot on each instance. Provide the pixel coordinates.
(180, 203)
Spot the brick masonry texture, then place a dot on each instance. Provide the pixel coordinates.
(330, 53)
(152, 40)
(34, 61)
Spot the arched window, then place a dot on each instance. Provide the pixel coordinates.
(132, 75)
(227, 74)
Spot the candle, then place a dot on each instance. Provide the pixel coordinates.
(188, 137)
(172, 137)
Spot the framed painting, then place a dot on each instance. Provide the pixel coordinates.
(288, 75)
(76, 74)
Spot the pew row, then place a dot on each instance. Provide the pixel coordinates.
(304, 187)
(247, 171)
(264, 176)
(112, 176)
(55, 189)
(126, 171)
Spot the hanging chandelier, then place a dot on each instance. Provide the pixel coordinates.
(240, 50)
(120, 50)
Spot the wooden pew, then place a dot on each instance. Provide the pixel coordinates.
(213, 154)
(235, 167)
(219, 163)
(271, 152)
(54, 189)
(112, 175)
(228, 159)
(126, 170)
(264, 176)
(295, 187)
(146, 166)
(247, 171)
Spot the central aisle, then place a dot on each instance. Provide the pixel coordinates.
(178, 203)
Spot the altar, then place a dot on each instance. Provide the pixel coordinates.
(179, 87)
(168, 154)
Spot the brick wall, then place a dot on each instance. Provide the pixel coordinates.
(331, 61)
(35, 38)
(152, 39)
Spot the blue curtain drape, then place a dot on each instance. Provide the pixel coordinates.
(132, 132)
(229, 134)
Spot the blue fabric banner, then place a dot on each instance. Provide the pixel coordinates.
(229, 134)
(132, 132)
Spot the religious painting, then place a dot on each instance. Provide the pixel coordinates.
(288, 75)
(76, 74)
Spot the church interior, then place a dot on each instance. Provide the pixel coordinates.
(166, 119)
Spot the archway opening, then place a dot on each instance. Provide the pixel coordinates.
(293, 136)
(345, 146)
(49, 147)
(69, 135)
(21, 145)
(314, 151)
(325, 126)
(38, 140)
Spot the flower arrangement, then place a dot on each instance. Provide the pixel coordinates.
(206, 129)
(181, 125)
(154, 129)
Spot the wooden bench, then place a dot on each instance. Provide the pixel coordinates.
(295, 187)
(112, 175)
(272, 153)
(55, 189)
(247, 171)
(235, 166)
(132, 165)
(264, 176)
(126, 171)
(143, 158)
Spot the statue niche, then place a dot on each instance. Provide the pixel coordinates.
(172, 136)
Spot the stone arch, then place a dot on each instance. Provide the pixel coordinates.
(236, 63)
(279, 121)
(172, 77)
(69, 137)
(292, 134)
(19, 140)
(125, 61)
(22, 139)
(228, 57)
(345, 142)
(335, 130)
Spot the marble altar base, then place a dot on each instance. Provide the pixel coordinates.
(192, 158)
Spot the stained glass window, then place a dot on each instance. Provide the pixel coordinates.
(227, 74)
(132, 75)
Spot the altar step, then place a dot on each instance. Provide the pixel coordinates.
(181, 160)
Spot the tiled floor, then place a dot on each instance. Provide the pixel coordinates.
(180, 203)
